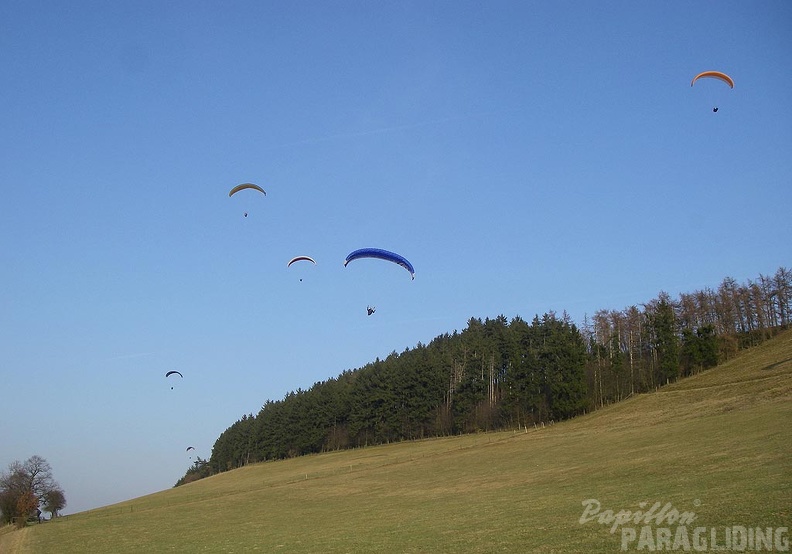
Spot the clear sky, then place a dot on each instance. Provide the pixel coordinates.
(525, 156)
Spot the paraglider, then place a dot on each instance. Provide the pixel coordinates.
(301, 259)
(245, 186)
(380, 254)
(168, 374)
(713, 75)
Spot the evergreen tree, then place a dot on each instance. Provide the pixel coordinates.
(522, 386)
(699, 349)
(666, 341)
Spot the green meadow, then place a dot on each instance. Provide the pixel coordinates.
(716, 446)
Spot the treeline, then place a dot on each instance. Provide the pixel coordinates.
(500, 373)
(640, 348)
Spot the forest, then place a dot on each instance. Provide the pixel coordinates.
(505, 373)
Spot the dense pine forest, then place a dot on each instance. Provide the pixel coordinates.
(500, 373)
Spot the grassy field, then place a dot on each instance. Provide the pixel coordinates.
(716, 445)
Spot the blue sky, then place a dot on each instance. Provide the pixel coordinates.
(524, 156)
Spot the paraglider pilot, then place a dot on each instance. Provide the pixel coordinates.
(370, 309)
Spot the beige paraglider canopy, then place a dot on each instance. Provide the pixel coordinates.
(245, 186)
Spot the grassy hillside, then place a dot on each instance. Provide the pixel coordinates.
(716, 445)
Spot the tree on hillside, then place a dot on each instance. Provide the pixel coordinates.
(33, 477)
(54, 501)
(198, 470)
(522, 385)
(11, 489)
(666, 341)
(26, 506)
(782, 295)
(699, 349)
(561, 354)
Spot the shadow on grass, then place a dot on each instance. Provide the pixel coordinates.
(775, 365)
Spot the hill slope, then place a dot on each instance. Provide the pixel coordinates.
(715, 445)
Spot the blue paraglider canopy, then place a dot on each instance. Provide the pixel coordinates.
(381, 254)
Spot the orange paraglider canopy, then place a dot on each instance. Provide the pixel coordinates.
(714, 75)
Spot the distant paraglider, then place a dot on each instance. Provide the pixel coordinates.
(380, 254)
(370, 309)
(168, 374)
(245, 186)
(300, 259)
(713, 75)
